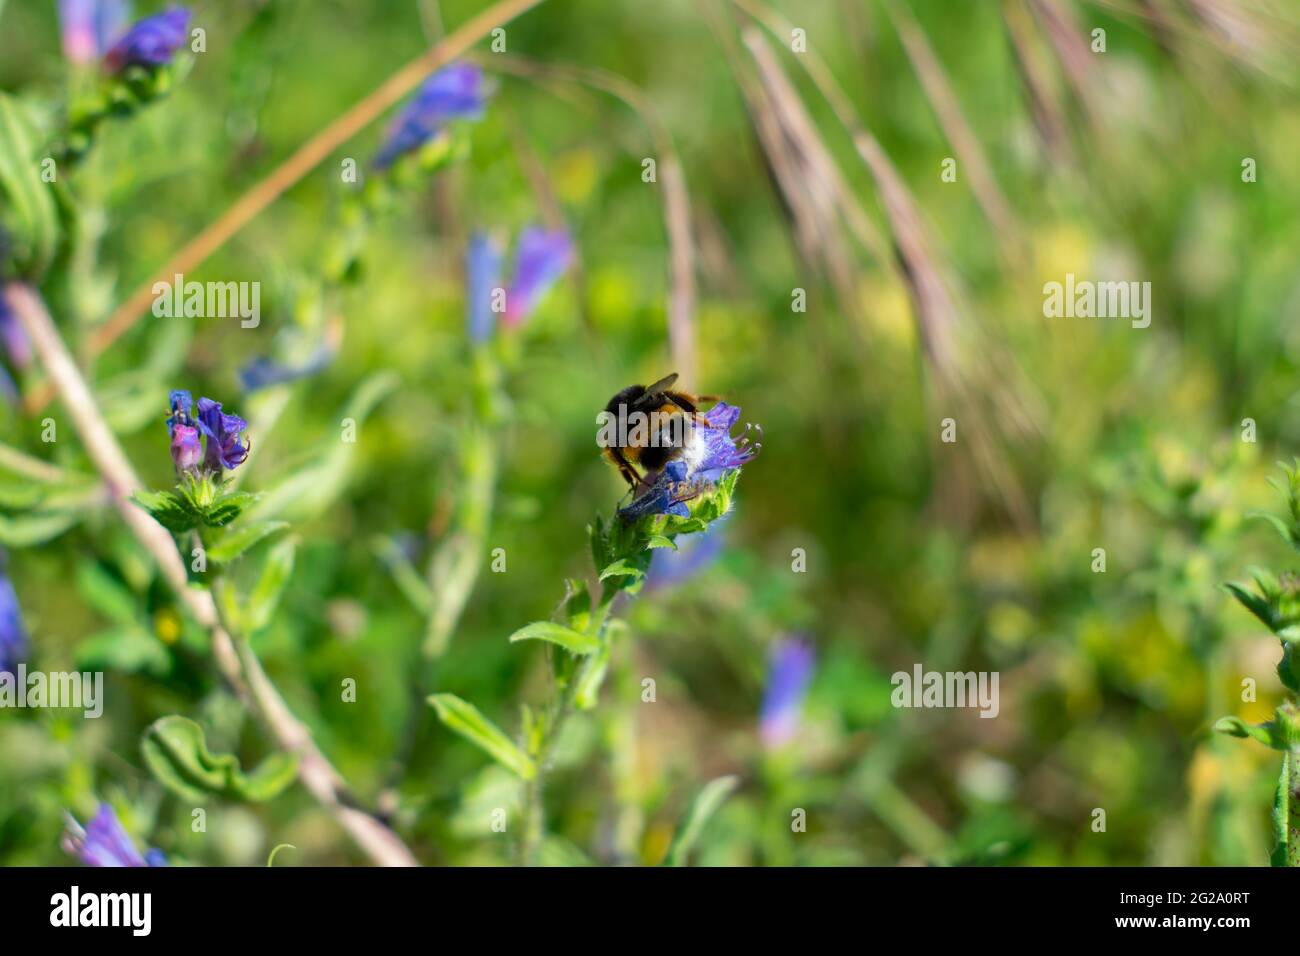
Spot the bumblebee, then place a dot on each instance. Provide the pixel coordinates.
(668, 411)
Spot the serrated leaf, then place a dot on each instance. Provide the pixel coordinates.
(1257, 605)
(171, 511)
(239, 539)
(227, 508)
(466, 719)
(713, 795)
(575, 642)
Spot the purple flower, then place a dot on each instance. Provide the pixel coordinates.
(104, 842)
(454, 92)
(89, 27)
(151, 42)
(187, 450)
(13, 638)
(482, 275)
(222, 432)
(12, 336)
(710, 452)
(540, 259)
(790, 670)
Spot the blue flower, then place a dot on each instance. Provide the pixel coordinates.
(13, 637)
(790, 671)
(222, 431)
(263, 372)
(540, 259)
(104, 842)
(482, 275)
(181, 406)
(709, 453)
(151, 42)
(454, 92)
(88, 27)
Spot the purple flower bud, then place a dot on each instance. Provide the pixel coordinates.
(222, 432)
(454, 92)
(541, 258)
(13, 637)
(104, 842)
(151, 42)
(187, 450)
(482, 275)
(89, 27)
(790, 670)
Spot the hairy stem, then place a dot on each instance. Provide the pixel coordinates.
(241, 670)
(558, 714)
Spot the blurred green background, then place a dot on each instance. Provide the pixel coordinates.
(1072, 434)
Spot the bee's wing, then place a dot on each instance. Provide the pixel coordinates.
(662, 385)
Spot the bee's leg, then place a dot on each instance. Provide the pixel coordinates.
(625, 469)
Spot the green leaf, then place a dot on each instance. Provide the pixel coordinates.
(271, 777)
(176, 752)
(128, 648)
(28, 530)
(466, 719)
(106, 594)
(572, 641)
(265, 598)
(227, 508)
(621, 569)
(173, 512)
(238, 540)
(1257, 605)
(30, 214)
(1264, 733)
(659, 541)
(713, 795)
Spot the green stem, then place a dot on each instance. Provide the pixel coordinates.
(1289, 811)
(578, 692)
